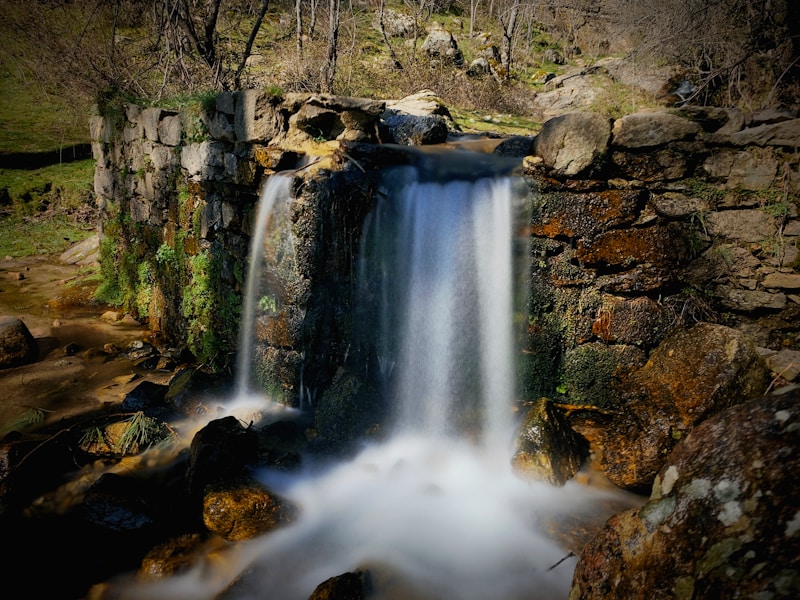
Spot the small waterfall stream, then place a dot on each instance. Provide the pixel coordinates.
(274, 195)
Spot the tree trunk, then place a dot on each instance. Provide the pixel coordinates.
(299, 12)
(329, 68)
(509, 29)
(237, 79)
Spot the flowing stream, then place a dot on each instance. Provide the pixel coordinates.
(435, 512)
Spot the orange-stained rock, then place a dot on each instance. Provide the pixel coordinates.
(722, 519)
(694, 374)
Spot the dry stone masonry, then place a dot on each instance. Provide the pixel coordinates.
(640, 228)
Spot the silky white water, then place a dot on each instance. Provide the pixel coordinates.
(435, 512)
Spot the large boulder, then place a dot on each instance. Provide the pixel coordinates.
(722, 520)
(441, 45)
(572, 143)
(17, 345)
(693, 374)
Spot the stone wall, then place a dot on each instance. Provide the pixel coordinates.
(654, 222)
(178, 191)
(639, 228)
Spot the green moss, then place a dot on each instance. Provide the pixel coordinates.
(212, 316)
(588, 375)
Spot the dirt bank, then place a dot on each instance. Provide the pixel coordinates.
(73, 372)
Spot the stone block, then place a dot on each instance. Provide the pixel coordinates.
(257, 116)
(170, 130)
(647, 130)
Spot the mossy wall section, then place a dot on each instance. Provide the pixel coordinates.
(684, 216)
(178, 192)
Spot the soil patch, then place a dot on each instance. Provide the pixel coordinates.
(74, 372)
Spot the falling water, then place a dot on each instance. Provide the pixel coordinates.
(435, 512)
(442, 254)
(274, 195)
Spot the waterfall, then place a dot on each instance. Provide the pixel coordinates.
(441, 254)
(434, 510)
(270, 218)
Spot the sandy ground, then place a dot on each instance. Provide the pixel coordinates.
(73, 373)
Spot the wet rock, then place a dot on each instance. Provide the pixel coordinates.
(174, 556)
(594, 373)
(243, 510)
(17, 344)
(356, 585)
(721, 521)
(220, 451)
(574, 142)
(350, 409)
(414, 130)
(693, 374)
(147, 397)
(516, 146)
(547, 449)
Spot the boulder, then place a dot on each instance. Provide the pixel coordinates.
(722, 520)
(221, 450)
(414, 130)
(17, 345)
(422, 104)
(242, 510)
(547, 449)
(574, 142)
(441, 45)
(693, 374)
(355, 585)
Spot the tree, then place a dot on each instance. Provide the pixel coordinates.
(508, 21)
(328, 70)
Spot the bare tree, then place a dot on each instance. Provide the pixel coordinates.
(248, 49)
(328, 70)
(508, 21)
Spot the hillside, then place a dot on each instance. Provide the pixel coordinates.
(501, 66)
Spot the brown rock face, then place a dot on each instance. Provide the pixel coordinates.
(722, 521)
(692, 375)
(17, 346)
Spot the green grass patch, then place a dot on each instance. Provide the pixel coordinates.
(69, 184)
(503, 124)
(21, 236)
(32, 120)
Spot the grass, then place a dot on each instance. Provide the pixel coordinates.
(32, 120)
(20, 236)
